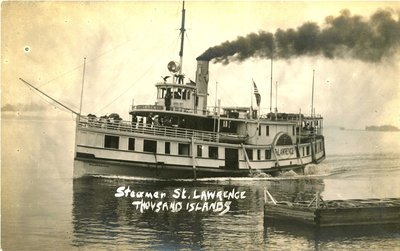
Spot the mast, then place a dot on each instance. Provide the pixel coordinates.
(276, 96)
(216, 96)
(182, 29)
(312, 95)
(83, 82)
(251, 100)
(270, 93)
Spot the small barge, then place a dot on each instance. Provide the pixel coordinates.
(334, 213)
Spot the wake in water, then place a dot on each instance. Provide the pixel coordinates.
(311, 171)
(345, 166)
(361, 166)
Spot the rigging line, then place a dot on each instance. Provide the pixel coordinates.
(89, 61)
(135, 82)
(188, 41)
(223, 90)
(36, 89)
(41, 97)
(129, 59)
(53, 104)
(61, 100)
(112, 83)
(61, 75)
(125, 91)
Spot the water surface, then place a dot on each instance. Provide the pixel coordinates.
(43, 208)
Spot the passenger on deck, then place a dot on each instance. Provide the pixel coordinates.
(182, 123)
(161, 120)
(167, 100)
(92, 119)
(156, 120)
(140, 124)
(168, 121)
(149, 120)
(134, 121)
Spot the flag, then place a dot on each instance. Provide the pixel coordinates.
(257, 94)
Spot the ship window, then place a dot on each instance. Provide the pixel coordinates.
(169, 90)
(226, 123)
(284, 140)
(259, 130)
(183, 149)
(188, 95)
(268, 154)
(292, 130)
(162, 92)
(308, 150)
(213, 152)
(150, 146)
(249, 153)
(131, 144)
(267, 130)
(167, 147)
(199, 150)
(258, 154)
(184, 94)
(111, 141)
(178, 94)
(303, 150)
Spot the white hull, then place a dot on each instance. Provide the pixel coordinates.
(184, 158)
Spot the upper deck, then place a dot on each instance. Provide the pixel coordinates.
(120, 126)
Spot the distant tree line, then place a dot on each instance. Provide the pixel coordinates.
(382, 128)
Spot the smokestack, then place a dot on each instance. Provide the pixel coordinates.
(202, 85)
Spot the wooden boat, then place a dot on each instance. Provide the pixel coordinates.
(331, 213)
(232, 138)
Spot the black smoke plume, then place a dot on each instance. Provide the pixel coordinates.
(343, 36)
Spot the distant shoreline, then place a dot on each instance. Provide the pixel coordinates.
(383, 128)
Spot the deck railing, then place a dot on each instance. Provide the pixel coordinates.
(127, 126)
(163, 108)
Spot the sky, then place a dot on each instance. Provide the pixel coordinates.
(127, 46)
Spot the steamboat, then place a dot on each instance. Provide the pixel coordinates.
(180, 137)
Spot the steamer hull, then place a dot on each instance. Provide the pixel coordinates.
(126, 149)
(91, 167)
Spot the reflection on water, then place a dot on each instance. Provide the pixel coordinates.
(100, 220)
(95, 208)
(305, 237)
